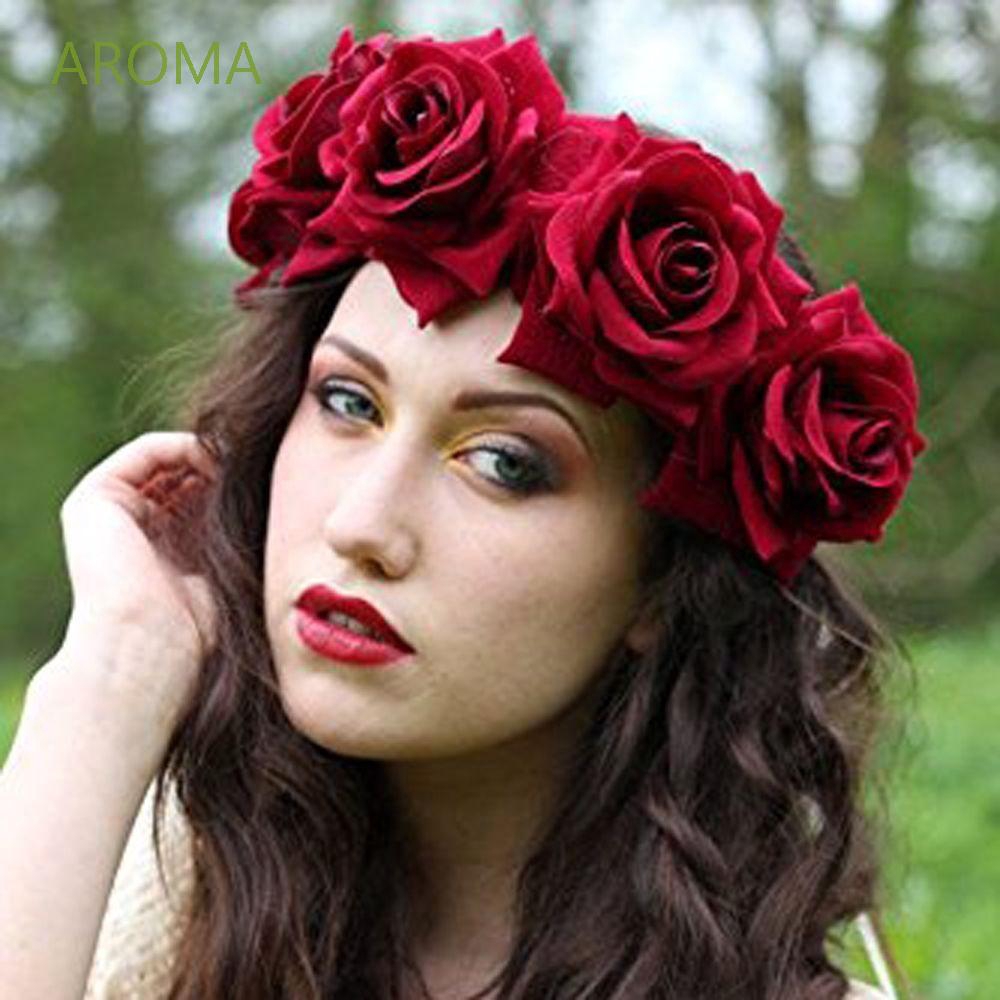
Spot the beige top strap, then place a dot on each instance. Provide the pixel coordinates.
(862, 991)
(875, 956)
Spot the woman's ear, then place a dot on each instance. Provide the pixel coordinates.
(644, 630)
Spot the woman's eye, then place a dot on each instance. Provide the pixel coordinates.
(325, 390)
(520, 471)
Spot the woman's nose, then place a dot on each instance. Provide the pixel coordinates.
(373, 514)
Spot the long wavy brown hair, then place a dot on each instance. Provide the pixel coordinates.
(725, 766)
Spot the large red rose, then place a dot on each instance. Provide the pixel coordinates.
(291, 129)
(269, 212)
(816, 443)
(430, 145)
(576, 157)
(266, 226)
(666, 269)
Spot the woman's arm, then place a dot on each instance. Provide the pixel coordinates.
(69, 794)
(99, 715)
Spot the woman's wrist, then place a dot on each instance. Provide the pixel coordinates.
(72, 703)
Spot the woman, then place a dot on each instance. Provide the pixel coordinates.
(605, 730)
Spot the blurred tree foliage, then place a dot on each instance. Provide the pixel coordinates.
(102, 187)
(918, 226)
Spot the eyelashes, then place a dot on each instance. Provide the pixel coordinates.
(533, 472)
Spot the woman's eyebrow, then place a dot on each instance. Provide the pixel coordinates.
(359, 354)
(467, 399)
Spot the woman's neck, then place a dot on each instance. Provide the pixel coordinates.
(471, 823)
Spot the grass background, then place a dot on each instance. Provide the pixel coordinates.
(943, 877)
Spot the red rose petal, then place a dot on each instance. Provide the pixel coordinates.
(766, 534)
(775, 426)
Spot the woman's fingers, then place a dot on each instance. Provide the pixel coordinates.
(136, 460)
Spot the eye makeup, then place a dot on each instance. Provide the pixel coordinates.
(523, 469)
(470, 398)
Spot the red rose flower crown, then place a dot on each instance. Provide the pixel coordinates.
(646, 268)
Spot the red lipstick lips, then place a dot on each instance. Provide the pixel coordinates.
(338, 642)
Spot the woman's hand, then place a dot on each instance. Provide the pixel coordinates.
(140, 626)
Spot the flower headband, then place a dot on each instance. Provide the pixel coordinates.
(646, 268)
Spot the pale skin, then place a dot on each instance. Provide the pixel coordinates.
(512, 604)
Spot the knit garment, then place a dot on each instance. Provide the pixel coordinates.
(145, 915)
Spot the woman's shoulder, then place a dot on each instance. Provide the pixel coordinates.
(863, 991)
(145, 915)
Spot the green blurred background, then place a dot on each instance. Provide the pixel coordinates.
(877, 122)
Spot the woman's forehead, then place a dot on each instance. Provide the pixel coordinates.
(461, 344)
(372, 308)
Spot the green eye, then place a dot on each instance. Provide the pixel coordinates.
(524, 474)
(328, 390)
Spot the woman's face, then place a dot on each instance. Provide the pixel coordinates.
(385, 490)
